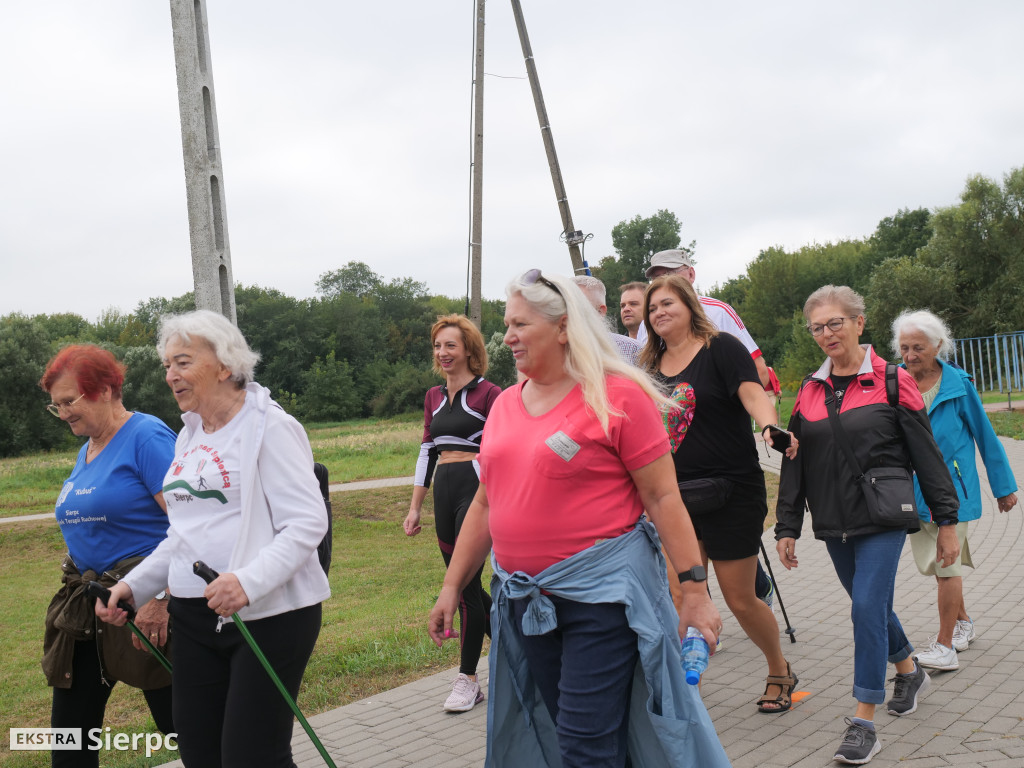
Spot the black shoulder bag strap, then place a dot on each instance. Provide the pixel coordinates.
(892, 385)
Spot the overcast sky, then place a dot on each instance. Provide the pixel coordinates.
(345, 134)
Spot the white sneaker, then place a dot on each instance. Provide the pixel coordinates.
(939, 657)
(963, 634)
(465, 695)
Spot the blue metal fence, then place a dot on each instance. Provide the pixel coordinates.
(995, 362)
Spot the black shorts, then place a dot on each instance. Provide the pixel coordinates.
(733, 531)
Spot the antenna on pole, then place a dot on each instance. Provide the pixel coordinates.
(570, 235)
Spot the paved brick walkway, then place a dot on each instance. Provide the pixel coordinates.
(971, 717)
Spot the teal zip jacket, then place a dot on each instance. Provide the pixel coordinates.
(668, 724)
(958, 422)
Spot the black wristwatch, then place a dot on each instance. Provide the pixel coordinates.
(697, 573)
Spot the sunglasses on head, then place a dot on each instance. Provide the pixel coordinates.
(534, 276)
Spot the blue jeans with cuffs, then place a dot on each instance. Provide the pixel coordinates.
(866, 566)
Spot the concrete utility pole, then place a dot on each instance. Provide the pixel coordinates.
(476, 238)
(571, 236)
(200, 144)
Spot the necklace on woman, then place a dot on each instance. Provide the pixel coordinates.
(213, 425)
(97, 444)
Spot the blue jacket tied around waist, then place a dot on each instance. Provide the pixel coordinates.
(668, 724)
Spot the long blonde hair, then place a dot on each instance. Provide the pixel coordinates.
(590, 354)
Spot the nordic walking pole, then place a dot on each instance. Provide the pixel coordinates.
(97, 590)
(207, 574)
(789, 627)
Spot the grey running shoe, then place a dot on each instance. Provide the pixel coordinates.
(859, 745)
(906, 689)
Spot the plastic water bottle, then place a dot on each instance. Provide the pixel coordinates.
(695, 655)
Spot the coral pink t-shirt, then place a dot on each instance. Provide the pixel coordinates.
(556, 484)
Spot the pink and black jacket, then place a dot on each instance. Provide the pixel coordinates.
(881, 435)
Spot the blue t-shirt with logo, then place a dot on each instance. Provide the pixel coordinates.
(106, 508)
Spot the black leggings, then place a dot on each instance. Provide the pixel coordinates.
(455, 485)
(84, 703)
(227, 709)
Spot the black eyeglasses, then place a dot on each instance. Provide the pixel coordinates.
(534, 276)
(834, 325)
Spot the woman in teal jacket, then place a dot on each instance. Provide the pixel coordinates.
(958, 423)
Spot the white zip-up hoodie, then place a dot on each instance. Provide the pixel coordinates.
(283, 517)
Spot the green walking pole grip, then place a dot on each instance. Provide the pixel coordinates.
(207, 574)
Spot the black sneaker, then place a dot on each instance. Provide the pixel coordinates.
(905, 690)
(859, 745)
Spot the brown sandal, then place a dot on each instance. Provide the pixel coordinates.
(784, 700)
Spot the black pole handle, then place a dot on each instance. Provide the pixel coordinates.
(97, 590)
(203, 571)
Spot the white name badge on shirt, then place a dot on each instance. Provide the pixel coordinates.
(563, 445)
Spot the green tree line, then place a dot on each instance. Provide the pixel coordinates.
(361, 347)
(965, 262)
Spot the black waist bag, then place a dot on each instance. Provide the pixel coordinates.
(706, 494)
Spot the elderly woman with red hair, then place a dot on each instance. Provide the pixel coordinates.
(112, 515)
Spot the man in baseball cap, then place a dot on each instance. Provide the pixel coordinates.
(670, 262)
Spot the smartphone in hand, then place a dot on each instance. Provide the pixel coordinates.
(780, 438)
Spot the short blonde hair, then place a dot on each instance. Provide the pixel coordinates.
(840, 295)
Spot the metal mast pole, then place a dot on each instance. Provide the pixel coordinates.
(204, 175)
(549, 143)
(476, 238)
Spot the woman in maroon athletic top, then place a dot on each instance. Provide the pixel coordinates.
(453, 416)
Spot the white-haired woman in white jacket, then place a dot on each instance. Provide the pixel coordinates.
(242, 497)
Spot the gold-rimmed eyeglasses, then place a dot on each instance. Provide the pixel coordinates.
(833, 325)
(56, 408)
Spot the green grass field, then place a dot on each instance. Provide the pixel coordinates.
(30, 484)
(368, 448)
